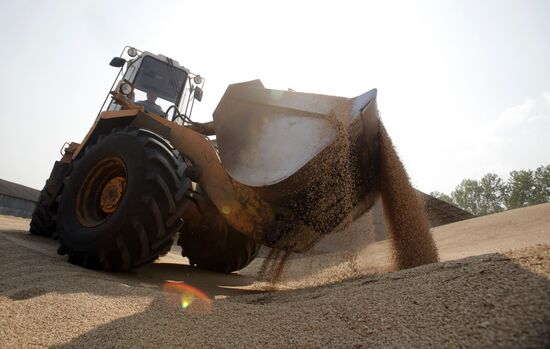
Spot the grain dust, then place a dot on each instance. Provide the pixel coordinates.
(336, 185)
(273, 266)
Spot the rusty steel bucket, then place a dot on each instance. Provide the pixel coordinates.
(311, 157)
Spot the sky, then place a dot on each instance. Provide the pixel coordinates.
(463, 86)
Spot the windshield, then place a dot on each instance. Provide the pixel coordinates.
(159, 83)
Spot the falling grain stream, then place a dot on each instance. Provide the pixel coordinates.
(406, 222)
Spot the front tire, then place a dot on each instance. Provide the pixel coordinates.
(120, 205)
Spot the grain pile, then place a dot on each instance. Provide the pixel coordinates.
(47, 302)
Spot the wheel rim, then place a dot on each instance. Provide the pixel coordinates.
(101, 192)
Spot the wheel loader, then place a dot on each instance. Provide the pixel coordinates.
(275, 168)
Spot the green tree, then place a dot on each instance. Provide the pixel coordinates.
(541, 177)
(467, 195)
(492, 194)
(520, 189)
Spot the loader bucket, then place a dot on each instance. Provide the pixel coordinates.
(311, 157)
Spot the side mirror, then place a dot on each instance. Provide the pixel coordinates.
(117, 62)
(198, 94)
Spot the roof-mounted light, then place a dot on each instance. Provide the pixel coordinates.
(198, 79)
(132, 52)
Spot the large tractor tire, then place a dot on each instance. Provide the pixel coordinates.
(120, 206)
(43, 221)
(223, 250)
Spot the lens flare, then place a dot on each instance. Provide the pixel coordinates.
(187, 298)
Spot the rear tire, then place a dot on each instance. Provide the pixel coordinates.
(120, 206)
(223, 250)
(43, 221)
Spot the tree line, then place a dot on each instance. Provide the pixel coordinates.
(492, 194)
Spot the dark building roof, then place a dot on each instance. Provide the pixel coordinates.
(18, 191)
(441, 212)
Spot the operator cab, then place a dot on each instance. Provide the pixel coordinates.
(157, 83)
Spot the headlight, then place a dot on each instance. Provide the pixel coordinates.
(126, 88)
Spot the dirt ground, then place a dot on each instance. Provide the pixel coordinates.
(492, 289)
